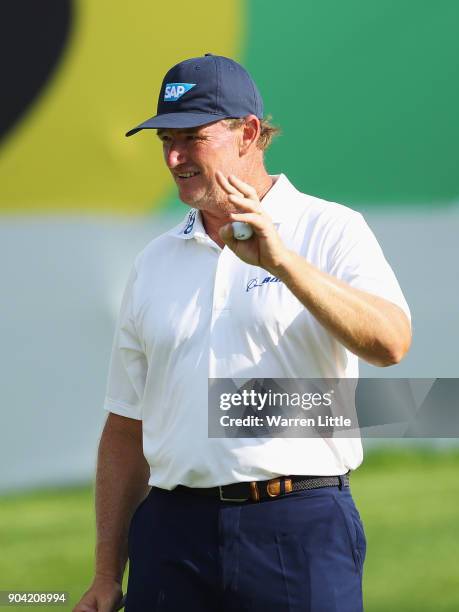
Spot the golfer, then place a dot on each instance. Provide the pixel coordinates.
(214, 524)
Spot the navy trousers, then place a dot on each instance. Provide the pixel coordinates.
(302, 552)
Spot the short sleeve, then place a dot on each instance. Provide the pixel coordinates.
(128, 363)
(358, 260)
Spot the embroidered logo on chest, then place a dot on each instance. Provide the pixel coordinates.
(254, 282)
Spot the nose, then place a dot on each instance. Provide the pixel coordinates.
(174, 153)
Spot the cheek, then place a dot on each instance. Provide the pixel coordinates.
(224, 158)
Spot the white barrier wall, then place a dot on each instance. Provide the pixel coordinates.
(61, 286)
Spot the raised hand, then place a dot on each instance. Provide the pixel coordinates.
(265, 248)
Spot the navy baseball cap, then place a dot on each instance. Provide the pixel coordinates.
(202, 90)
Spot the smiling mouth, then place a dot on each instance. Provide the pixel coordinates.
(186, 175)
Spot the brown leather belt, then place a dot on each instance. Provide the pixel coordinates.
(266, 489)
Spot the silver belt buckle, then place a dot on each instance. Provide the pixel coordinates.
(230, 499)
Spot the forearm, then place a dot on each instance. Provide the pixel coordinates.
(121, 484)
(369, 326)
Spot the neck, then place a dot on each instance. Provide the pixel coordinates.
(214, 220)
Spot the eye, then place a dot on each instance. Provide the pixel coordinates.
(195, 137)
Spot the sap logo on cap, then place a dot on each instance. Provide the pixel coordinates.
(174, 91)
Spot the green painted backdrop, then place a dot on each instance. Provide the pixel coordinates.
(367, 94)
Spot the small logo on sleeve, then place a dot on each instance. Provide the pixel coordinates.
(254, 282)
(174, 91)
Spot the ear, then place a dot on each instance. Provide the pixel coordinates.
(250, 133)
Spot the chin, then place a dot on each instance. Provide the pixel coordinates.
(189, 198)
(203, 200)
(197, 198)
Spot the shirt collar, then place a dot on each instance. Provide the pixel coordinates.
(274, 202)
(191, 226)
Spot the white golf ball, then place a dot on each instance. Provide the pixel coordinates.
(241, 230)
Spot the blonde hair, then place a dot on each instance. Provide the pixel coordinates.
(267, 131)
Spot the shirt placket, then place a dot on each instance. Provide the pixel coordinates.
(221, 311)
(220, 301)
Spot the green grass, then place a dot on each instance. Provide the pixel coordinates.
(47, 542)
(409, 502)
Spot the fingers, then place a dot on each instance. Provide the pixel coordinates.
(224, 184)
(242, 203)
(101, 597)
(85, 608)
(244, 188)
(239, 193)
(257, 222)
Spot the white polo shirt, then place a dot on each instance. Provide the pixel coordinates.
(192, 310)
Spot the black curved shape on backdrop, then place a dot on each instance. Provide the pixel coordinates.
(33, 36)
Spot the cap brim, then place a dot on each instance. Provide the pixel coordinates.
(177, 120)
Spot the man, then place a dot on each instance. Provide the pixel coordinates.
(235, 524)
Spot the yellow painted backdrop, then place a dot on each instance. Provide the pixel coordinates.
(69, 153)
